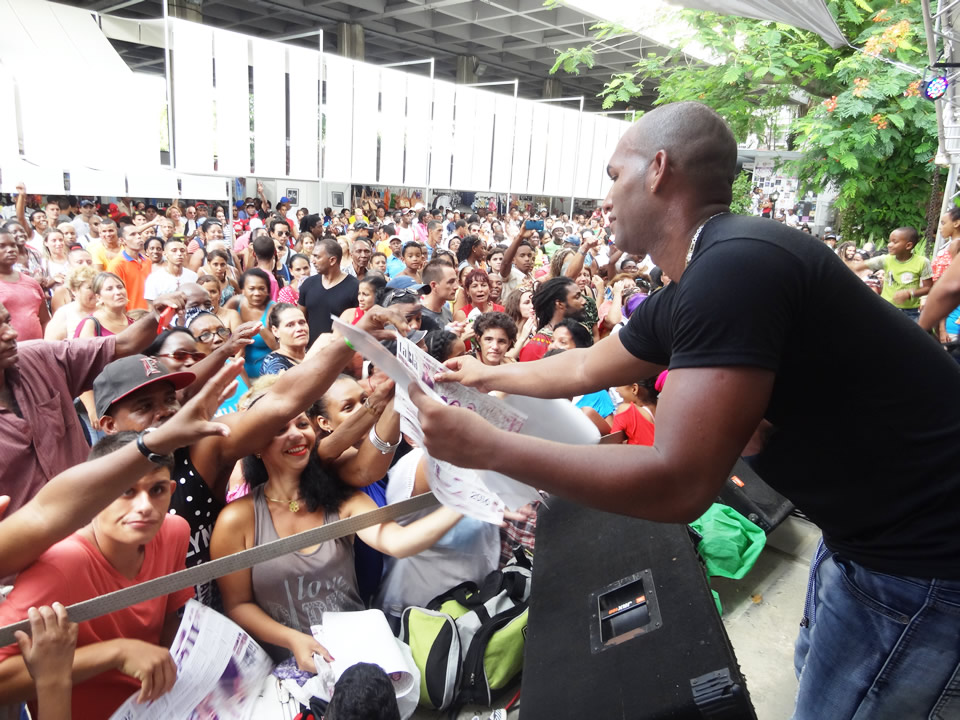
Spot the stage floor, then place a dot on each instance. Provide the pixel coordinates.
(761, 613)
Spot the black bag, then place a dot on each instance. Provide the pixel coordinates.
(750, 496)
(622, 624)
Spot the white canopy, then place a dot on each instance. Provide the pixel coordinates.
(810, 15)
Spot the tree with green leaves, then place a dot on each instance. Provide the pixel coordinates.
(862, 124)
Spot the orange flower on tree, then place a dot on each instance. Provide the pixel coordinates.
(889, 40)
(860, 86)
(913, 89)
(880, 121)
(830, 103)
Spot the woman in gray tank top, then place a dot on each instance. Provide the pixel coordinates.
(278, 601)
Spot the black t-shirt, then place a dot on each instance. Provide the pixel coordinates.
(322, 302)
(865, 405)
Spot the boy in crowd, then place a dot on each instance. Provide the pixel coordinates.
(907, 276)
(172, 274)
(131, 541)
(496, 332)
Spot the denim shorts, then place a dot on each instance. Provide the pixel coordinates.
(874, 646)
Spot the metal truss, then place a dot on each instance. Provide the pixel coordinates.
(941, 20)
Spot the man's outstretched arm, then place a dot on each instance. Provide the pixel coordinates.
(565, 375)
(705, 417)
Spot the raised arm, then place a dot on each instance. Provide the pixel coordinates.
(296, 390)
(47, 654)
(213, 363)
(511, 252)
(21, 206)
(576, 262)
(74, 496)
(573, 372)
(363, 465)
(705, 418)
(137, 337)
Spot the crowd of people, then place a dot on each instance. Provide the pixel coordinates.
(118, 317)
(173, 390)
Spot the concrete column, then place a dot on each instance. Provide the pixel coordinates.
(552, 88)
(186, 9)
(350, 40)
(467, 69)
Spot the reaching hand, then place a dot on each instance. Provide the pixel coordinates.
(176, 300)
(376, 319)
(381, 395)
(527, 331)
(598, 284)
(244, 335)
(303, 647)
(48, 649)
(193, 419)
(151, 664)
(467, 371)
(21, 188)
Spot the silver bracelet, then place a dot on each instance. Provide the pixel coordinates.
(383, 447)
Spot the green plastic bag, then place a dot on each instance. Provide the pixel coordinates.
(731, 544)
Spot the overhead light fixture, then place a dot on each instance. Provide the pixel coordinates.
(936, 88)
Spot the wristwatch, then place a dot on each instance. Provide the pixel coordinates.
(145, 451)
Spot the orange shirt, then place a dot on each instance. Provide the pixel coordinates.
(134, 273)
(74, 570)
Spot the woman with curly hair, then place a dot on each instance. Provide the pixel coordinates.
(292, 491)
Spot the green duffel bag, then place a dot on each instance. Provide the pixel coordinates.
(468, 642)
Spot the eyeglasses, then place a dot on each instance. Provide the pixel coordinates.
(208, 335)
(283, 234)
(404, 297)
(181, 356)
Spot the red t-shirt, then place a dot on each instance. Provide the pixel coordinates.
(636, 426)
(22, 299)
(535, 348)
(73, 570)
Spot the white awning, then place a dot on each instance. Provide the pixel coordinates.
(811, 15)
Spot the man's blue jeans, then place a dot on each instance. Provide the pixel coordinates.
(876, 647)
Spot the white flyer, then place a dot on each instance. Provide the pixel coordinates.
(461, 489)
(364, 636)
(219, 671)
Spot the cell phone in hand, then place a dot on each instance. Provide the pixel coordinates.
(534, 225)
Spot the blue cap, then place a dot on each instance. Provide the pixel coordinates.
(573, 240)
(405, 282)
(284, 200)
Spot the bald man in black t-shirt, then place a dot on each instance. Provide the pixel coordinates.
(755, 325)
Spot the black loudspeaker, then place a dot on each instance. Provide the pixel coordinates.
(623, 625)
(750, 496)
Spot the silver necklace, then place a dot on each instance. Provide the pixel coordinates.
(696, 236)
